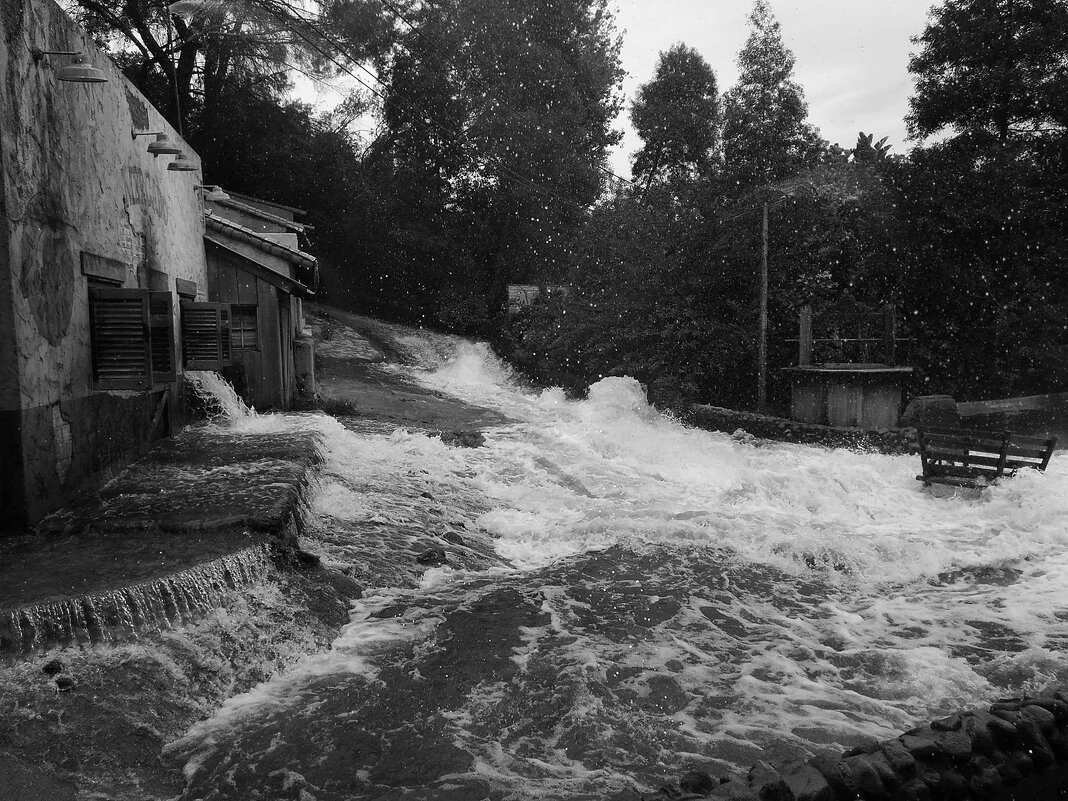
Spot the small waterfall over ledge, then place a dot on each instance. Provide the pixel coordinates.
(119, 614)
(165, 541)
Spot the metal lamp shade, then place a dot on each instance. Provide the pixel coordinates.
(215, 194)
(182, 164)
(164, 145)
(81, 71)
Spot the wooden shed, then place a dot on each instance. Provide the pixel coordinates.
(258, 271)
(848, 376)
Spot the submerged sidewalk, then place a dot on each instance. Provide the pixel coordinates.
(169, 535)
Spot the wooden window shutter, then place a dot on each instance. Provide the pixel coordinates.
(119, 336)
(206, 335)
(161, 327)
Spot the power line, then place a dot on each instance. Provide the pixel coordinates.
(427, 118)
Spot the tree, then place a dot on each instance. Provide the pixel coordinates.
(984, 211)
(677, 115)
(994, 69)
(190, 57)
(867, 152)
(765, 135)
(498, 117)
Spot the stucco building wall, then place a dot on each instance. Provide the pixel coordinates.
(74, 181)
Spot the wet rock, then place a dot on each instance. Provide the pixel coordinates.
(975, 727)
(914, 790)
(393, 610)
(304, 560)
(985, 781)
(869, 747)
(1057, 707)
(837, 774)
(454, 538)
(1003, 731)
(65, 682)
(952, 723)
(463, 439)
(768, 784)
(901, 761)
(1023, 763)
(666, 695)
(1032, 739)
(433, 556)
(873, 774)
(1009, 714)
(1043, 718)
(921, 746)
(52, 667)
(867, 780)
(808, 784)
(956, 745)
(1058, 743)
(698, 782)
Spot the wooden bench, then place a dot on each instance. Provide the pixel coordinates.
(967, 458)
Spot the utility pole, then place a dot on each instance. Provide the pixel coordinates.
(762, 340)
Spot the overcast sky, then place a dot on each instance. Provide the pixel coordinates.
(852, 56)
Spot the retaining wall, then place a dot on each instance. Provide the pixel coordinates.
(884, 440)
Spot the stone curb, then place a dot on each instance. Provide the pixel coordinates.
(885, 440)
(1015, 749)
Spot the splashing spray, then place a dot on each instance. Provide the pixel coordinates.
(218, 395)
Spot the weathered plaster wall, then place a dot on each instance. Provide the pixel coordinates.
(74, 180)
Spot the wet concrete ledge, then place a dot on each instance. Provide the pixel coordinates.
(1015, 749)
(883, 440)
(204, 514)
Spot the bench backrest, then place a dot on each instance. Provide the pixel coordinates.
(982, 451)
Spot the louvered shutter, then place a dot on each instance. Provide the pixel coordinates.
(206, 335)
(161, 326)
(119, 335)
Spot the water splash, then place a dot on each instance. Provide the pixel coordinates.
(218, 396)
(120, 614)
(675, 598)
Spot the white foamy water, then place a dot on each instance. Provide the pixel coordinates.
(626, 598)
(218, 395)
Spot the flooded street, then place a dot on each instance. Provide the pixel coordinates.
(598, 598)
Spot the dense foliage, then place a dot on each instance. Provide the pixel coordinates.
(965, 237)
(677, 115)
(484, 166)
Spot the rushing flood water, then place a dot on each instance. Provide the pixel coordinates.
(626, 599)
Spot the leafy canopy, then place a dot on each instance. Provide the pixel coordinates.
(677, 115)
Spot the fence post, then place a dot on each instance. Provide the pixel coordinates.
(804, 336)
(889, 334)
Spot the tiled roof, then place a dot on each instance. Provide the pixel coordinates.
(239, 232)
(250, 199)
(263, 215)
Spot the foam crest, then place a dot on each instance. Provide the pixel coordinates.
(218, 395)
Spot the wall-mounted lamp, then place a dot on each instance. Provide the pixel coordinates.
(212, 192)
(182, 164)
(163, 145)
(78, 71)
